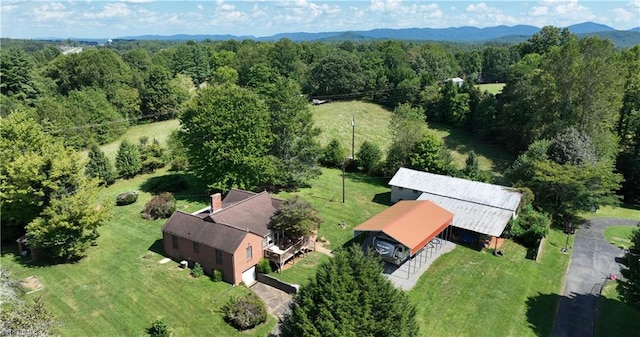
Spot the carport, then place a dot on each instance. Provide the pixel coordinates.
(419, 225)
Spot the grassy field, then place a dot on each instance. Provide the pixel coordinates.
(372, 124)
(492, 88)
(619, 236)
(615, 318)
(121, 287)
(158, 130)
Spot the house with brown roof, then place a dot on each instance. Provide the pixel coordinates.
(231, 235)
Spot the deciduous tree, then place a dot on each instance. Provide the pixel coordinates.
(296, 218)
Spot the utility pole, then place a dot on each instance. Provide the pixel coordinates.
(344, 163)
(353, 137)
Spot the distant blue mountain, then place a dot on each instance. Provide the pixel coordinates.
(589, 27)
(498, 34)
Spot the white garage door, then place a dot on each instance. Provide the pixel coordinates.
(249, 276)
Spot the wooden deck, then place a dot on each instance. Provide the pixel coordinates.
(280, 256)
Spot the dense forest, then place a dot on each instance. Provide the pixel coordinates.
(570, 109)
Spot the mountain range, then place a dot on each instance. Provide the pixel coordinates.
(503, 34)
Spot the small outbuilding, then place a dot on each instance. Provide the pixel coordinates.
(480, 209)
(404, 229)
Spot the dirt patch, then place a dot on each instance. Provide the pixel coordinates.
(31, 284)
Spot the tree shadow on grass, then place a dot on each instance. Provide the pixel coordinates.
(42, 260)
(365, 179)
(464, 141)
(602, 317)
(184, 186)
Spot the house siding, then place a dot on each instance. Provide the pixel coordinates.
(206, 257)
(240, 262)
(400, 193)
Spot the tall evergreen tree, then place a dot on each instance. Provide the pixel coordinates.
(99, 166)
(349, 296)
(128, 162)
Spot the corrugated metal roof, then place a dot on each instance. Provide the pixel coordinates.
(472, 216)
(410, 222)
(456, 188)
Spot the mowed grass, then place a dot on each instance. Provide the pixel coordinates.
(364, 198)
(158, 130)
(492, 88)
(120, 287)
(371, 123)
(619, 236)
(615, 318)
(624, 211)
(471, 293)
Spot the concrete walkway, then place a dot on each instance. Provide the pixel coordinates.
(592, 261)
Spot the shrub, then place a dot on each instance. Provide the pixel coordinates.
(159, 328)
(529, 227)
(216, 276)
(126, 198)
(128, 162)
(197, 270)
(333, 155)
(245, 312)
(264, 266)
(161, 206)
(369, 156)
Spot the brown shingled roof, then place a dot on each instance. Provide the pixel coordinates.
(413, 223)
(252, 214)
(194, 228)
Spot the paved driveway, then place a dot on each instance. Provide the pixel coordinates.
(592, 261)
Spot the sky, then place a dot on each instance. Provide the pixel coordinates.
(111, 19)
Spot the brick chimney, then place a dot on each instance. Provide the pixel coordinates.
(216, 202)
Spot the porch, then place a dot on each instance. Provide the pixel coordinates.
(286, 250)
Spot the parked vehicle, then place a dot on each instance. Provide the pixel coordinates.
(390, 251)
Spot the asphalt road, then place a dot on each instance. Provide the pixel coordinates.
(593, 259)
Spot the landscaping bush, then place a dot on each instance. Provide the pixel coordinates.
(333, 155)
(161, 206)
(264, 266)
(159, 328)
(216, 276)
(197, 270)
(529, 227)
(126, 198)
(245, 312)
(369, 156)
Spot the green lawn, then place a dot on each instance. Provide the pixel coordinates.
(303, 269)
(615, 318)
(364, 198)
(624, 211)
(372, 124)
(492, 88)
(619, 236)
(471, 293)
(157, 130)
(120, 287)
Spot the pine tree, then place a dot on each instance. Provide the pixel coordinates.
(349, 296)
(128, 160)
(99, 166)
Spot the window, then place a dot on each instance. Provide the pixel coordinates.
(249, 253)
(174, 241)
(218, 256)
(268, 240)
(196, 248)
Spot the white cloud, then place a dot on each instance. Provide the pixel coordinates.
(483, 15)
(8, 8)
(110, 10)
(539, 11)
(54, 11)
(200, 7)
